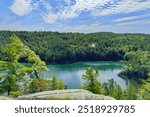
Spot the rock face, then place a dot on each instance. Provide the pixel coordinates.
(4, 98)
(65, 95)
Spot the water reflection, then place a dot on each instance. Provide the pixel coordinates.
(71, 73)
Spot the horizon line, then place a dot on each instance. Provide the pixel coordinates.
(73, 32)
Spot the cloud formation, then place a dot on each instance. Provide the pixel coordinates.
(67, 9)
(131, 18)
(141, 22)
(122, 6)
(22, 7)
(85, 28)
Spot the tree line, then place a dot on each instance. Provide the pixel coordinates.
(111, 88)
(54, 47)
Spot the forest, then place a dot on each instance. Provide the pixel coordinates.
(55, 47)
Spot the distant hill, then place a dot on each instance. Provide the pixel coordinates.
(55, 47)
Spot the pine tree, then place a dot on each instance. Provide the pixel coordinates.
(91, 81)
(57, 84)
(111, 88)
(14, 70)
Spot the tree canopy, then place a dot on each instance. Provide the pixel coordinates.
(14, 70)
(91, 81)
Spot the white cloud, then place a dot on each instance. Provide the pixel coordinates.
(72, 11)
(131, 18)
(87, 5)
(141, 22)
(123, 6)
(73, 8)
(44, 3)
(85, 28)
(97, 8)
(22, 7)
(50, 18)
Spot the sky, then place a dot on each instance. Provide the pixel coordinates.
(84, 16)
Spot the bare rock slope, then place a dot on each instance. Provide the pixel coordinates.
(74, 94)
(4, 98)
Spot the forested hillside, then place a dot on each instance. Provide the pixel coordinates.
(54, 47)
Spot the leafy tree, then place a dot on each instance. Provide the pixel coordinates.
(14, 70)
(91, 81)
(61, 85)
(57, 84)
(10, 65)
(117, 93)
(38, 85)
(138, 64)
(130, 93)
(15, 94)
(111, 88)
(9, 84)
(54, 83)
(144, 90)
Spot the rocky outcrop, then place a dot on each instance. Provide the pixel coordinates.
(64, 95)
(4, 98)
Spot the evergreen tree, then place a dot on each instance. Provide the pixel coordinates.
(91, 81)
(111, 88)
(144, 90)
(38, 85)
(14, 70)
(130, 93)
(61, 85)
(57, 84)
(54, 83)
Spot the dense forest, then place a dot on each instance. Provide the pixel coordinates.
(55, 47)
(37, 48)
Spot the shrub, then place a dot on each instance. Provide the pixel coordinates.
(15, 94)
(91, 82)
(38, 85)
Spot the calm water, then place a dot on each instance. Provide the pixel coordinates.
(71, 73)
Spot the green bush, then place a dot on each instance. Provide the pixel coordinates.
(91, 82)
(38, 85)
(130, 93)
(15, 94)
(111, 88)
(57, 84)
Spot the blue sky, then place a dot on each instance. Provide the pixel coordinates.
(121, 16)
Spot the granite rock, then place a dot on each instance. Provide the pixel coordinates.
(74, 94)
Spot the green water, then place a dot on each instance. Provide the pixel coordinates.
(71, 73)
